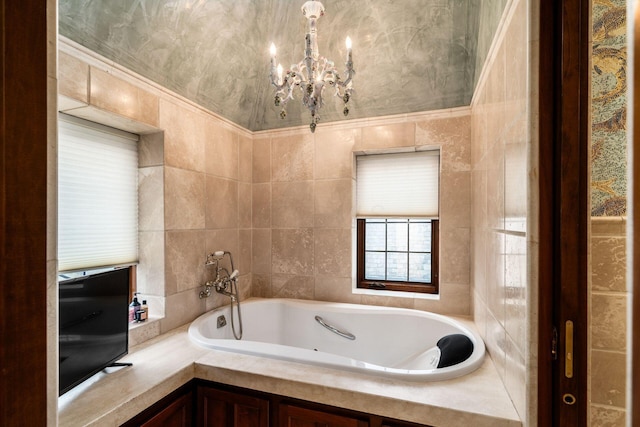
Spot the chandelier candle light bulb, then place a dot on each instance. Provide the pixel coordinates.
(313, 73)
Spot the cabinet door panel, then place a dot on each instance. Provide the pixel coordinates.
(177, 414)
(247, 415)
(213, 413)
(294, 416)
(217, 408)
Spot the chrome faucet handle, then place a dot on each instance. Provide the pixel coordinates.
(206, 293)
(214, 257)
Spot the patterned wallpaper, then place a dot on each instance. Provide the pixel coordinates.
(609, 111)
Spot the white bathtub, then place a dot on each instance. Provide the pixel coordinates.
(392, 342)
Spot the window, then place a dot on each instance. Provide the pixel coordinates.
(397, 225)
(97, 196)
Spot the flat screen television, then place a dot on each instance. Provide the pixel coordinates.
(93, 324)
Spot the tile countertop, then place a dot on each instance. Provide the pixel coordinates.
(165, 363)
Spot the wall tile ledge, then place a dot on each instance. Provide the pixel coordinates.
(608, 226)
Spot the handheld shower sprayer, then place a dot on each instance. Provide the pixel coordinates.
(225, 283)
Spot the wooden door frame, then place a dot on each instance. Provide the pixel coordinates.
(564, 129)
(23, 212)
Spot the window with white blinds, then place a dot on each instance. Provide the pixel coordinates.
(398, 185)
(97, 195)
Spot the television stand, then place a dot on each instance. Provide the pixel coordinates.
(119, 364)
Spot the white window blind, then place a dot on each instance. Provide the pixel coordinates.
(97, 195)
(398, 185)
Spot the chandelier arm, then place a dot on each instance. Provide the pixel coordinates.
(318, 90)
(302, 72)
(350, 73)
(289, 94)
(280, 87)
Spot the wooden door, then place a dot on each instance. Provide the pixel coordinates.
(564, 104)
(294, 416)
(218, 408)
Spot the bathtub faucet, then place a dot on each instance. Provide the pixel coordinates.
(223, 283)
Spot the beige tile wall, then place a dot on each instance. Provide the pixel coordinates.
(195, 184)
(303, 206)
(281, 202)
(500, 233)
(608, 322)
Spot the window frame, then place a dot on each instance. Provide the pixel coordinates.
(389, 285)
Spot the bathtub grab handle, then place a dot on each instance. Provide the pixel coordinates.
(335, 330)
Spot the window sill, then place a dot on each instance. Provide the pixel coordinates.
(396, 294)
(144, 331)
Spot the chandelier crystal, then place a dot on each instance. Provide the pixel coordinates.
(313, 73)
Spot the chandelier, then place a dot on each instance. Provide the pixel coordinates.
(313, 73)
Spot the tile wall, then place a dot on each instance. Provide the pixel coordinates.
(609, 60)
(303, 206)
(280, 201)
(501, 231)
(608, 176)
(194, 184)
(608, 323)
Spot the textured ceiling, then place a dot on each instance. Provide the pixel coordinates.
(409, 55)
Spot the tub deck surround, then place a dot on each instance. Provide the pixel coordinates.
(160, 366)
(169, 361)
(385, 341)
(478, 399)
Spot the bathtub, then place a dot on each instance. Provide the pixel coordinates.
(389, 342)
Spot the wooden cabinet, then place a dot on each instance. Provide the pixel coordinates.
(206, 404)
(219, 408)
(174, 410)
(177, 414)
(294, 416)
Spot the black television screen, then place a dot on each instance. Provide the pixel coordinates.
(93, 324)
